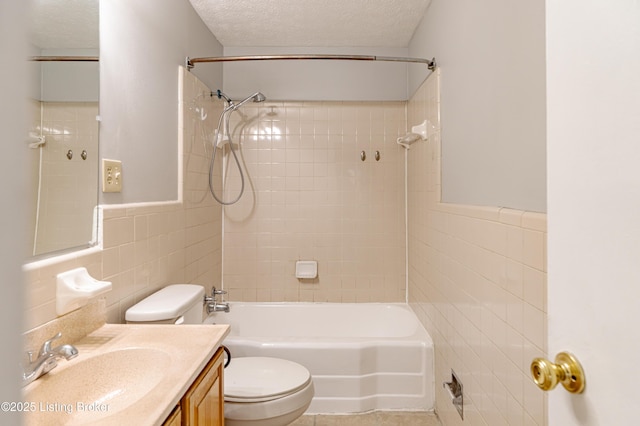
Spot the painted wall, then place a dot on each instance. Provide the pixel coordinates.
(64, 81)
(477, 281)
(69, 81)
(594, 199)
(13, 166)
(493, 99)
(142, 44)
(317, 80)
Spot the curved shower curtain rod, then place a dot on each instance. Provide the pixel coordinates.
(190, 62)
(64, 58)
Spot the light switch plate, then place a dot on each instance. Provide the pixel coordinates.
(111, 175)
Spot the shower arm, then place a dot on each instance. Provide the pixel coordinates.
(221, 95)
(190, 62)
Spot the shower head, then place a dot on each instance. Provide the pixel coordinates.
(259, 97)
(256, 97)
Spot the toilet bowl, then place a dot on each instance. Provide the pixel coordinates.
(265, 391)
(257, 390)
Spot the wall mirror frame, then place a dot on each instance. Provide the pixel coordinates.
(63, 136)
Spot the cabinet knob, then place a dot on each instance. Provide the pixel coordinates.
(566, 370)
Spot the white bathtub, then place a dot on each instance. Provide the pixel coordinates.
(362, 356)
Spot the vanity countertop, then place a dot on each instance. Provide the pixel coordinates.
(144, 370)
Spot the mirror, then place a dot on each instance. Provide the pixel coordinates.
(63, 129)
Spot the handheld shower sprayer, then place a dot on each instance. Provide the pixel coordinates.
(256, 97)
(222, 137)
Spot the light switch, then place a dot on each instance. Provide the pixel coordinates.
(111, 175)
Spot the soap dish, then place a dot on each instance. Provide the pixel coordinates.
(75, 288)
(306, 269)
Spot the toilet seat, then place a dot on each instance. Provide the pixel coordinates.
(260, 379)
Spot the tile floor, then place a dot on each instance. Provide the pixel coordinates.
(375, 418)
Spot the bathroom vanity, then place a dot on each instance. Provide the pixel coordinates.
(203, 404)
(135, 374)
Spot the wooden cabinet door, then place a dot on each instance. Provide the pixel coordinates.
(175, 418)
(203, 404)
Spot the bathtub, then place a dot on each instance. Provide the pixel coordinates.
(362, 356)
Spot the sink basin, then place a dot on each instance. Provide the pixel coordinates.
(94, 388)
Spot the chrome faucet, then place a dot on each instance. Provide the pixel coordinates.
(214, 305)
(47, 359)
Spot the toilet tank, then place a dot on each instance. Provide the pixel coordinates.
(174, 304)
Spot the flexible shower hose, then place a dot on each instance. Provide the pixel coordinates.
(222, 122)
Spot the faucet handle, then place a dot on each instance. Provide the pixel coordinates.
(215, 291)
(46, 346)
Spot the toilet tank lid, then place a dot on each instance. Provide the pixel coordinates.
(167, 303)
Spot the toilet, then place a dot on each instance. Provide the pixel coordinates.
(257, 390)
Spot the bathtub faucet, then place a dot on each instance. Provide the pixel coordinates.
(214, 305)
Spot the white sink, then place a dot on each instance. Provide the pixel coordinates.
(87, 390)
(124, 374)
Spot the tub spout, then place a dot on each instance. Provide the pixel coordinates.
(217, 307)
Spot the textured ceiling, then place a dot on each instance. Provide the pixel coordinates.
(64, 24)
(312, 23)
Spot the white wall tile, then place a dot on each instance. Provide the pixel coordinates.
(478, 283)
(328, 206)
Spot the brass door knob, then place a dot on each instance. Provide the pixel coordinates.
(566, 370)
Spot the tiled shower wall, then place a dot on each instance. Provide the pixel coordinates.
(68, 186)
(477, 280)
(148, 246)
(309, 196)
